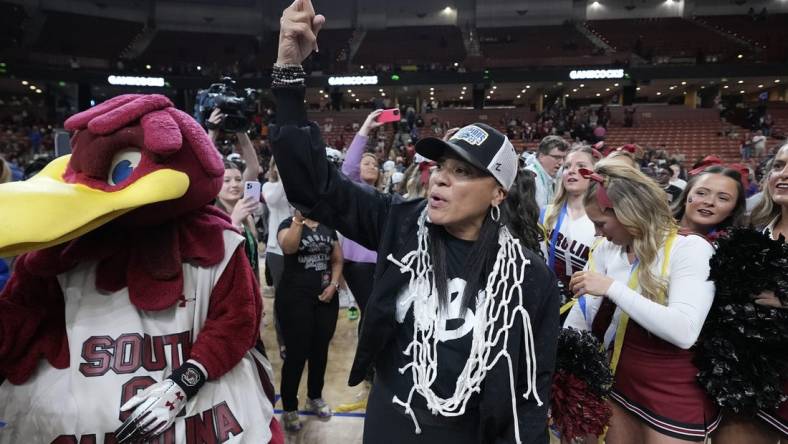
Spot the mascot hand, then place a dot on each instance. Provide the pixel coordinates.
(155, 408)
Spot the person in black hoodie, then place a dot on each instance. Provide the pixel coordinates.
(462, 321)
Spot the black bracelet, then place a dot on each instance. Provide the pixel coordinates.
(189, 378)
(288, 76)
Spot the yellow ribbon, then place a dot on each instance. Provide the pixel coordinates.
(621, 329)
(633, 284)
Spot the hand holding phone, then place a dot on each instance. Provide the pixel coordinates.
(252, 190)
(389, 115)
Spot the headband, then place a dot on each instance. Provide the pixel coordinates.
(601, 194)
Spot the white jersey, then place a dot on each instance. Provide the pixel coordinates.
(116, 351)
(573, 244)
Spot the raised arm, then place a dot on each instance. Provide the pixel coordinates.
(351, 167)
(249, 155)
(314, 186)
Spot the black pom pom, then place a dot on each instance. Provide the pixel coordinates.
(741, 351)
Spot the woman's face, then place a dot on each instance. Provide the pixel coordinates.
(606, 224)
(573, 182)
(231, 187)
(711, 200)
(778, 178)
(460, 196)
(369, 169)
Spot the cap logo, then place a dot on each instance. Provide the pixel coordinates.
(471, 134)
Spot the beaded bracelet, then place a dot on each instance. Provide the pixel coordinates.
(288, 76)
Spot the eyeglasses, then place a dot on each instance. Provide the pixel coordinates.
(557, 157)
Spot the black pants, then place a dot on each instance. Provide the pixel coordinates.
(359, 277)
(307, 328)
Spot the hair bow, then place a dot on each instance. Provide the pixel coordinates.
(601, 194)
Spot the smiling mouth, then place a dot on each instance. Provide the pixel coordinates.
(705, 213)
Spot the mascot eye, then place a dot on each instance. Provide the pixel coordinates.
(123, 164)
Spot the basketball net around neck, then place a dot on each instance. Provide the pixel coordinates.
(495, 317)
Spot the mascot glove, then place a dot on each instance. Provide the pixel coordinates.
(156, 407)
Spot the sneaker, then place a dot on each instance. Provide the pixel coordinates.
(291, 420)
(319, 408)
(352, 313)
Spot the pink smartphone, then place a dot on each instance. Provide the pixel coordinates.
(389, 115)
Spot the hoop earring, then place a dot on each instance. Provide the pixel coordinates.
(495, 213)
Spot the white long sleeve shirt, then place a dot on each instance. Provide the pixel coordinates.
(690, 293)
(278, 210)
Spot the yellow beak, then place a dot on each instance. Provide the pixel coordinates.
(45, 211)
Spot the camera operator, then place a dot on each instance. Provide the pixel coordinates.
(244, 145)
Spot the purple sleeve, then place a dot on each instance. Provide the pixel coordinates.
(351, 167)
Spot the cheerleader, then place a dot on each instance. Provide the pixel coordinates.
(569, 232)
(712, 202)
(647, 295)
(771, 213)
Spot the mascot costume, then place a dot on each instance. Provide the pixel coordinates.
(132, 314)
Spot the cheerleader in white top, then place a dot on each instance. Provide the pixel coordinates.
(647, 295)
(569, 232)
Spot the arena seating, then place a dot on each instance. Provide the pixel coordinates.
(539, 42)
(779, 112)
(199, 47)
(668, 37)
(332, 43)
(85, 36)
(769, 34)
(12, 18)
(693, 133)
(436, 44)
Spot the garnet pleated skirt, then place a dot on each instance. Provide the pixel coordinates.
(656, 382)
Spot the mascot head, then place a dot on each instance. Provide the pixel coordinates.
(135, 159)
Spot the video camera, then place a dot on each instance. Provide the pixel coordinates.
(237, 108)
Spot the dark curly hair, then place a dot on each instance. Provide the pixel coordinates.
(521, 213)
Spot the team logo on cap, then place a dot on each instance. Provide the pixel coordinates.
(471, 134)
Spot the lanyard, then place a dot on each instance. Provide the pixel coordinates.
(633, 284)
(554, 238)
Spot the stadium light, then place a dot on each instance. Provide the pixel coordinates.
(135, 81)
(355, 80)
(25, 82)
